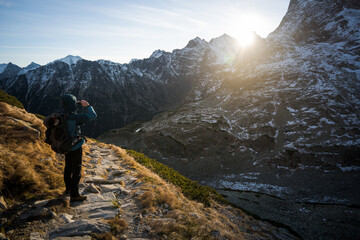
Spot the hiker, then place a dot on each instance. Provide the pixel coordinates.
(73, 159)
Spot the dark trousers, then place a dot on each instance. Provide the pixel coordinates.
(72, 172)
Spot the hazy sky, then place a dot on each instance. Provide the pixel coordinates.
(119, 30)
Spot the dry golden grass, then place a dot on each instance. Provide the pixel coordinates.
(118, 225)
(186, 219)
(28, 166)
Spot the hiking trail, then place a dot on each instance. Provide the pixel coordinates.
(110, 189)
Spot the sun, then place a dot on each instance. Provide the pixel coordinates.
(244, 37)
(243, 27)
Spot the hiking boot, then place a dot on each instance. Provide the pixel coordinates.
(77, 198)
(65, 194)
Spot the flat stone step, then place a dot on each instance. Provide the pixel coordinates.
(87, 237)
(111, 188)
(100, 180)
(104, 197)
(106, 214)
(80, 228)
(98, 207)
(116, 173)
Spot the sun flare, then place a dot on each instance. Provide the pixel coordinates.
(245, 38)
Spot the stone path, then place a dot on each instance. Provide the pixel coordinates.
(110, 191)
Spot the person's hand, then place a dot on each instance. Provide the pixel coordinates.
(84, 103)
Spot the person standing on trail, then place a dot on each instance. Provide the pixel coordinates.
(73, 159)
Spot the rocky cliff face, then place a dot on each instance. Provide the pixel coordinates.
(284, 121)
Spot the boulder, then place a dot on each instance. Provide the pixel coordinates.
(36, 213)
(92, 189)
(66, 217)
(80, 228)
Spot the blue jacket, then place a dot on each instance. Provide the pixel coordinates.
(75, 119)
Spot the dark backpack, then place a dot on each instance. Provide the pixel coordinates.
(57, 135)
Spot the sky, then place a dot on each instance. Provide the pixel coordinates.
(42, 31)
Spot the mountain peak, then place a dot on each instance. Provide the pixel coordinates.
(70, 59)
(157, 53)
(223, 38)
(318, 21)
(32, 65)
(195, 42)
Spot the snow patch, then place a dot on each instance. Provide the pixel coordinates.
(327, 121)
(256, 187)
(348, 168)
(157, 54)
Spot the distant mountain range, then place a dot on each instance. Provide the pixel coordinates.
(9, 70)
(122, 93)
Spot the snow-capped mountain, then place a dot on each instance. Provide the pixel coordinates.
(121, 93)
(29, 67)
(70, 60)
(9, 70)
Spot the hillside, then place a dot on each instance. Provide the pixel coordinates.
(125, 199)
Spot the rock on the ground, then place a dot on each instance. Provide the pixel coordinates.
(66, 217)
(105, 214)
(87, 237)
(53, 214)
(3, 205)
(40, 203)
(92, 188)
(111, 188)
(2, 237)
(35, 214)
(80, 228)
(35, 236)
(117, 173)
(92, 198)
(94, 208)
(100, 180)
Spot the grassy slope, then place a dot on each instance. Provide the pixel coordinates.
(187, 219)
(190, 189)
(28, 167)
(4, 97)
